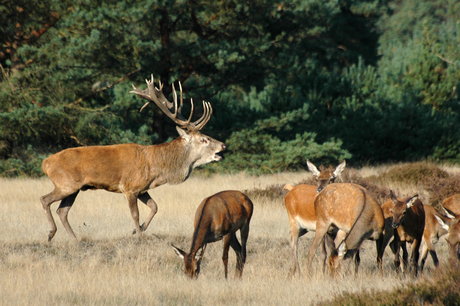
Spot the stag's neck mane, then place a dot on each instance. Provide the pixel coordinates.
(171, 161)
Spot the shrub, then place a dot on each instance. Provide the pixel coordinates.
(441, 290)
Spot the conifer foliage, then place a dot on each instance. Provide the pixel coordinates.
(324, 80)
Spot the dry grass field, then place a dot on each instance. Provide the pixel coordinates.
(110, 266)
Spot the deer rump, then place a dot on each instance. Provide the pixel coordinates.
(351, 209)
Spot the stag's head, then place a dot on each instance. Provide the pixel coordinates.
(325, 177)
(205, 148)
(399, 208)
(192, 261)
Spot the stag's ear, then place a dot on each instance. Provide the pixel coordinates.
(412, 201)
(340, 169)
(312, 168)
(184, 134)
(178, 251)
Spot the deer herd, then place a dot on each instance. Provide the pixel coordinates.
(342, 215)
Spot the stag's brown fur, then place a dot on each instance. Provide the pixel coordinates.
(405, 220)
(130, 169)
(300, 207)
(219, 217)
(351, 209)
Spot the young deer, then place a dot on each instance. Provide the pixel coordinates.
(219, 217)
(405, 221)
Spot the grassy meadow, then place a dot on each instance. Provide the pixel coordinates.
(110, 266)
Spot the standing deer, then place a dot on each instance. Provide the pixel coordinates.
(405, 221)
(219, 217)
(452, 204)
(131, 169)
(300, 207)
(355, 213)
(431, 234)
(453, 235)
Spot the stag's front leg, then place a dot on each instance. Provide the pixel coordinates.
(134, 209)
(147, 200)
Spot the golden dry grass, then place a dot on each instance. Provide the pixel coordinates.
(109, 266)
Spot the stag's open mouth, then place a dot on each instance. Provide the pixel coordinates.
(220, 154)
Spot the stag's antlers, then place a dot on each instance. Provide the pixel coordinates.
(155, 94)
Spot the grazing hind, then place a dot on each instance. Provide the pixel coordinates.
(219, 217)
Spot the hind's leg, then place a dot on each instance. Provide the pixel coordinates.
(63, 210)
(239, 255)
(321, 231)
(226, 239)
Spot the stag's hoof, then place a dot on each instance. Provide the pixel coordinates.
(51, 235)
(142, 229)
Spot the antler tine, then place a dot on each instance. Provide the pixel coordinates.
(156, 95)
(200, 123)
(171, 109)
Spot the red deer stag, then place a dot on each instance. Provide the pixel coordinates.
(453, 236)
(300, 207)
(351, 209)
(131, 169)
(219, 217)
(405, 222)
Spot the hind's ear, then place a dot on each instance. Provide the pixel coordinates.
(340, 168)
(412, 201)
(444, 225)
(178, 251)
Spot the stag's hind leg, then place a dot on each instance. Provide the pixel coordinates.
(147, 200)
(50, 198)
(63, 211)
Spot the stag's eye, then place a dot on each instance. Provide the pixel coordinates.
(204, 140)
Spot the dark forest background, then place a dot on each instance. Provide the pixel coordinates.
(367, 81)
